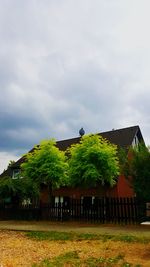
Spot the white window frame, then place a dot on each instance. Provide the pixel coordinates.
(135, 141)
(26, 202)
(16, 173)
(59, 199)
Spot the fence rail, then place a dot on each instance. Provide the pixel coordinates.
(105, 210)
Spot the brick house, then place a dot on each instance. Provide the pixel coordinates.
(124, 138)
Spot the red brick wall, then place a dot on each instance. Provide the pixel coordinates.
(78, 192)
(122, 189)
(44, 197)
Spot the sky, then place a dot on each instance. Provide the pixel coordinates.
(67, 64)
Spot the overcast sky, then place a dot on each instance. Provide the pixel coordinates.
(67, 64)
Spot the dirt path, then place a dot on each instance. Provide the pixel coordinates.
(75, 226)
(16, 250)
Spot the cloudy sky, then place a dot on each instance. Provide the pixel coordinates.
(67, 64)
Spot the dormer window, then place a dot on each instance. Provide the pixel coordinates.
(135, 141)
(16, 174)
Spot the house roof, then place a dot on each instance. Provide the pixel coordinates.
(120, 137)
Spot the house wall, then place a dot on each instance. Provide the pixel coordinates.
(121, 189)
(77, 193)
(124, 187)
(44, 196)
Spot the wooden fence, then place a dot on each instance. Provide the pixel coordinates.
(105, 210)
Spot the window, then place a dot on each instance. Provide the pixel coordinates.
(135, 141)
(87, 202)
(26, 202)
(59, 199)
(66, 202)
(16, 174)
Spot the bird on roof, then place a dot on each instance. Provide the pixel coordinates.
(81, 132)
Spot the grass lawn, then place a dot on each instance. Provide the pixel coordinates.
(75, 248)
(74, 236)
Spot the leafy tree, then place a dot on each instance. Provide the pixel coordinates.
(137, 168)
(93, 161)
(17, 188)
(11, 162)
(6, 187)
(46, 164)
(123, 155)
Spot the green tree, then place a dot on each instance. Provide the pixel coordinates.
(17, 188)
(137, 168)
(46, 164)
(93, 161)
(6, 187)
(11, 162)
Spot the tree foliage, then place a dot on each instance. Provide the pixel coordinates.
(11, 162)
(6, 187)
(137, 166)
(93, 161)
(46, 164)
(20, 188)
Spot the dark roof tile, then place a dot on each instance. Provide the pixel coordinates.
(120, 137)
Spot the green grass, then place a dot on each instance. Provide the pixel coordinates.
(67, 258)
(64, 236)
(72, 258)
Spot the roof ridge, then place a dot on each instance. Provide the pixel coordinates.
(113, 130)
(121, 129)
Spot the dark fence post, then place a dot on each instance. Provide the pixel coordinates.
(102, 210)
